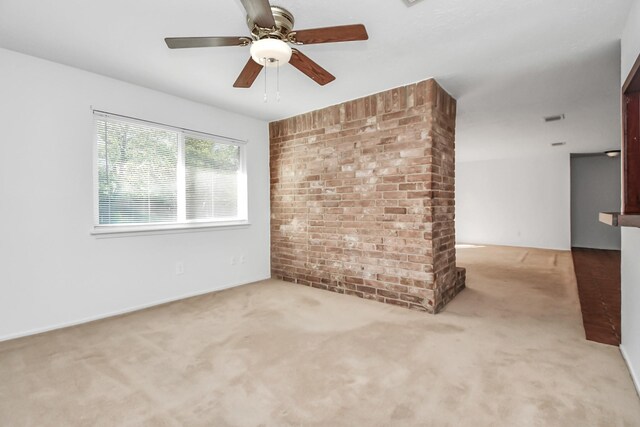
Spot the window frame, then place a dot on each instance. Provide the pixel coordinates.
(242, 219)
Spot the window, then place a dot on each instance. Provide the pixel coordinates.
(152, 176)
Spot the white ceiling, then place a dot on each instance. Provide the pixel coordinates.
(508, 62)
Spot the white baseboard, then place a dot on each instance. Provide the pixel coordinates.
(634, 376)
(120, 312)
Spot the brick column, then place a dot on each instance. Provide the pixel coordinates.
(362, 198)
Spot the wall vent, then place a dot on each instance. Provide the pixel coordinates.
(554, 118)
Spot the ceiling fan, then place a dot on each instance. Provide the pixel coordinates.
(271, 33)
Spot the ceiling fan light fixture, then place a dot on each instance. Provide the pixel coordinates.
(270, 52)
(272, 31)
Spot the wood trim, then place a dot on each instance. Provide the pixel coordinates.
(632, 83)
(631, 154)
(631, 141)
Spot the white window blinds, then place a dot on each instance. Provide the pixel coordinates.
(137, 168)
(211, 179)
(150, 174)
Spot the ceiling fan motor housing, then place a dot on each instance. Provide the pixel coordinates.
(284, 24)
(270, 48)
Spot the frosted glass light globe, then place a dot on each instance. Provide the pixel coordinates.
(276, 52)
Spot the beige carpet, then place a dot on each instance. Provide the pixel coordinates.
(508, 351)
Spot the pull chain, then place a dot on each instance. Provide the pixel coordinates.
(265, 79)
(267, 61)
(278, 81)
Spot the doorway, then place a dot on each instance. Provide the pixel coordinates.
(595, 187)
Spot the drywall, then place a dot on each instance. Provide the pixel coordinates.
(595, 187)
(631, 236)
(631, 301)
(54, 272)
(515, 202)
(630, 42)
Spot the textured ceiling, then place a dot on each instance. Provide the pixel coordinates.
(507, 62)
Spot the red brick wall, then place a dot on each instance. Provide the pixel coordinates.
(362, 198)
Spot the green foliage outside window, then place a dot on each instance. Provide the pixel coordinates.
(138, 169)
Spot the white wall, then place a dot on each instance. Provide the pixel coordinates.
(631, 236)
(595, 188)
(514, 202)
(53, 272)
(631, 300)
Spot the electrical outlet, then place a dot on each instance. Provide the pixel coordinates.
(179, 267)
(241, 259)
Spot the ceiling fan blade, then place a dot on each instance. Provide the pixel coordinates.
(310, 68)
(248, 74)
(259, 11)
(188, 42)
(344, 33)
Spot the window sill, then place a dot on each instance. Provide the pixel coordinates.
(617, 219)
(103, 231)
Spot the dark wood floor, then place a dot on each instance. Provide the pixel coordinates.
(598, 274)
